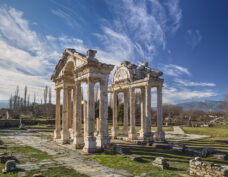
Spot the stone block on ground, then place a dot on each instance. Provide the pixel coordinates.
(219, 156)
(38, 175)
(4, 157)
(135, 157)
(207, 151)
(10, 166)
(206, 169)
(160, 162)
(162, 145)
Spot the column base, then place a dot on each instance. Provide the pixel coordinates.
(141, 134)
(125, 131)
(65, 137)
(78, 142)
(115, 132)
(102, 141)
(57, 134)
(90, 144)
(148, 136)
(132, 136)
(159, 136)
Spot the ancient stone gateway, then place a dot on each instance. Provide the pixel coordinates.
(73, 69)
(127, 78)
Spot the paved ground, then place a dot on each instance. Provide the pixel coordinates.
(178, 135)
(65, 155)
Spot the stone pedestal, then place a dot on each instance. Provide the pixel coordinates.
(78, 142)
(90, 144)
(159, 136)
(65, 137)
(103, 141)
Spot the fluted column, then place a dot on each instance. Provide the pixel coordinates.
(126, 100)
(132, 134)
(159, 134)
(57, 132)
(78, 138)
(142, 100)
(85, 118)
(114, 115)
(90, 140)
(103, 137)
(69, 108)
(148, 134)
(65, 131)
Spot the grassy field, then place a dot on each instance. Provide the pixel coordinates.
(218, 137)
(179, 162)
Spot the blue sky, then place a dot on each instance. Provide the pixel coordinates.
(186, 39)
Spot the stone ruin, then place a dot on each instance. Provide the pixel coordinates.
(75, 68)
(207, 169)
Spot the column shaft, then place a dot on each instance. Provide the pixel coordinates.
(103, 137)
(57, 133)
(90, 140)
(69, 109)
(126, 100)
(78, 138)
(65, 131)
(159, 135)
(142, 99)
(132, 133)
(148, 134)
(114, 114)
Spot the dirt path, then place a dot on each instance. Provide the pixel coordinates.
(178, 135)
(65, 155)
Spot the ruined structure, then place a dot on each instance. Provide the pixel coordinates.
(127, 78)
(75, 68)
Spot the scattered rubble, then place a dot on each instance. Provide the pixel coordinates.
(206, 169)
(10, 166)
(160, 162)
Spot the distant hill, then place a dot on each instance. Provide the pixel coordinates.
(207, 105)
(4, 104)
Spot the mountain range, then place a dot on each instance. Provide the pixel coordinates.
(207, 105)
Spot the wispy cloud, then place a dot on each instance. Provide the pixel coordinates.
(188, 83)
(175, 13)
(173, 95)
(145, 24)
(174, 70)
(67, 17)
(193, 37)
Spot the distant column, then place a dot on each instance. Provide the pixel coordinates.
(126, 100)
(69, 108)
(132, 134)
(159, 134)
(114, 114)
(142, 130)
(65, 131)
(57, 133)
(90, 140)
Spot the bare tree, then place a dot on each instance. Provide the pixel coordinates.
(25, 95)
(49, 95)
(11, 102)
(34, 98)
(45, 94)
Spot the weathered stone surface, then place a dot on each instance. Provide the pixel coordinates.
(160, 162)
(10, 166)
(206, 169)
(219, 156)
(38, 175)
(207, 151)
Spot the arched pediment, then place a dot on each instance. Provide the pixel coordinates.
(122, 74)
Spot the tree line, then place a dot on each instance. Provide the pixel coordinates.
(22, 105)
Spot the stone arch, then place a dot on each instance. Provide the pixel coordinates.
(122, 74)
(69, 66)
